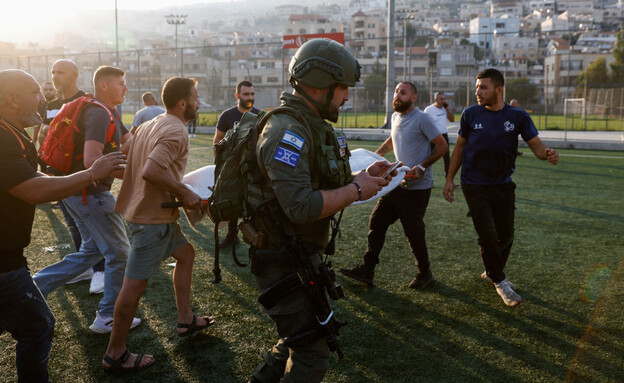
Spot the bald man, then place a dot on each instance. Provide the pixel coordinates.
(24, 312)
(64, 77)
(150, 111)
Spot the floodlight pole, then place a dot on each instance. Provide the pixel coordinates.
(390, 64)
(176, 20)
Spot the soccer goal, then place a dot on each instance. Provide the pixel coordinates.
(573, 107)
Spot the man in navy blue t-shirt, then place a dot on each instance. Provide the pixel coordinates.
(486, 149)
(245, 97)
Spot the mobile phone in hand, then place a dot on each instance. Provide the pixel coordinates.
(392, 168)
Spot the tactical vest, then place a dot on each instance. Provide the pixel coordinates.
(330, 169)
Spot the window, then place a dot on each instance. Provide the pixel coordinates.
(272, 79)
(446, 57)
(233, 80)
(320, 30)
(446, 72)
(302, 31)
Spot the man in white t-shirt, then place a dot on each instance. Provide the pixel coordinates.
(439, 113)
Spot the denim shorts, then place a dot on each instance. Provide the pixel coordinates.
(151, 244)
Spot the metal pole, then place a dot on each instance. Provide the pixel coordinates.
(116, 37)
(390, 63)
(139, 77)
(404, 46)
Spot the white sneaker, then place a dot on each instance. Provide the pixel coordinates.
(510, 297)
(97, 283)
(85, 276)
(488, 279)
(103, 325)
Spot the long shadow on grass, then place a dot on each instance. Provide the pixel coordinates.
(575, 173)
(142, 339)
(428, 339)
(588, 213)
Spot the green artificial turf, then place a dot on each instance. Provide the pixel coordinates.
(567, 262)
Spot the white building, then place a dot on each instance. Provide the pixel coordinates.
(482, 29)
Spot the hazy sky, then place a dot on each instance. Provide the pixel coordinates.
(23, 20)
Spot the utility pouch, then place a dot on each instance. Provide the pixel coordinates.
(252, 236)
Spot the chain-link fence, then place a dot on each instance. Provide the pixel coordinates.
(445, 67)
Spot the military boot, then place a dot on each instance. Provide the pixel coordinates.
(363, 273)
(422, 280)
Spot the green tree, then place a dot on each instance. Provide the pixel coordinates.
(375, 85)
(595, 74)
(521, 89)
(617, 68)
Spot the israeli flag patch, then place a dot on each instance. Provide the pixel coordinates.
(293, 140)
(286, 156)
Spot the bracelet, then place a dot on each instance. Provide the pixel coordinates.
(359, 191)
(421, 167)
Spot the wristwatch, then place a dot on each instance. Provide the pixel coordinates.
(421, 167)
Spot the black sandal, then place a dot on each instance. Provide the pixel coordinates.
(193, 327)
(116, 364)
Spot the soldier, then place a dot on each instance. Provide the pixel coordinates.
(308, 179)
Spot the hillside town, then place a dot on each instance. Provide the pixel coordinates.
(542, 46)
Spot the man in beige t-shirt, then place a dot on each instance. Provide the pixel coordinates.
(157, 157)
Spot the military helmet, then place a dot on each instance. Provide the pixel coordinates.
(321, 63)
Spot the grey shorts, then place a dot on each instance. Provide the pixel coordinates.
(151, 244)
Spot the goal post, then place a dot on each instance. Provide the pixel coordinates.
(574, 106)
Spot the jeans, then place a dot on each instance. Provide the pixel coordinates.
(26, 315)
(103, 233)
(71, 225)
(75, 234)
(492, 211)
(409, 206)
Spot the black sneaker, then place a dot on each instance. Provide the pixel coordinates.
(362, 273)
(229, 240)
(421, 280)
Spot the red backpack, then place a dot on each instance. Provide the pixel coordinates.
(57, 150)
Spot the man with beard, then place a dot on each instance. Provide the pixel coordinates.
(412, 136)
(23, 310)
(486, 150)
(101, 228)
(156, 163)
(306, 180)
(49, 93)
(246, 96)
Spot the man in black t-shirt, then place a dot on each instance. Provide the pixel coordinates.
(49, 92)
(24, 312)
(246, 96)
(101, 228)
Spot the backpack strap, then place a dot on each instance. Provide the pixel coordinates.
(111, 127)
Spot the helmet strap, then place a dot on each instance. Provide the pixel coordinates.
(322, 109)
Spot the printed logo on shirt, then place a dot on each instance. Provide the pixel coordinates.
(509, 127)
(477, 126)
(293, 140)
(286, 156)
(52, 113)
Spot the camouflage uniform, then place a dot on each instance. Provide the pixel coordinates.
(299, 163)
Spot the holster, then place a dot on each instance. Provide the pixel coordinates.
(279, 290)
